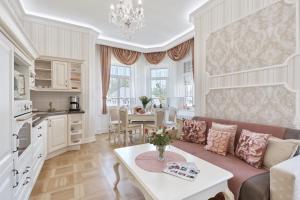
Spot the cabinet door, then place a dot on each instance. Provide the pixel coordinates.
(6, 163)
(60, 78)
(57, 133)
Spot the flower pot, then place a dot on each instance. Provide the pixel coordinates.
(161, 151)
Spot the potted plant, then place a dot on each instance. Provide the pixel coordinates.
(145, 100)
(160, 139)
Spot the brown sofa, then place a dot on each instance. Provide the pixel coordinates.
(248, 183)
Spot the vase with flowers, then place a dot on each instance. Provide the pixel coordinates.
(145, 100)
(160, 139)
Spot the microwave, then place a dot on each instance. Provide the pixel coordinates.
(19, 85)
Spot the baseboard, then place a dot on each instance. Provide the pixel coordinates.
(101, 131)
(63, 150)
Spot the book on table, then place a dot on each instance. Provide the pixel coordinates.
(187, 170)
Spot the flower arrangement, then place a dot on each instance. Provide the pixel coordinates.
(145, 100)
(160, 139)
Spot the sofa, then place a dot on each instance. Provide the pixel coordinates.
(281, 182)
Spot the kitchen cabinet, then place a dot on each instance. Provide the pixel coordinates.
(60, 75)
(57, 133)
(6, 159)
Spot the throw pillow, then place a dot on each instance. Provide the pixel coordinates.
(218, 141)
(194, 131)
(278, 150)
(252, 147)
(227, 128)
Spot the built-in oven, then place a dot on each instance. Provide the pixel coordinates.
(21, 145)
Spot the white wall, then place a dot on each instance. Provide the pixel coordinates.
(220, 14)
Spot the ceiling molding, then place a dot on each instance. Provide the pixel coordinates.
(187, 34)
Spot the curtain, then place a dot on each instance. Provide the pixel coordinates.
(193, 55)
(155, 57)
(179, 52)
(105, 56)
(127, 57)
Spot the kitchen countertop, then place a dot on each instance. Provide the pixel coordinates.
(40, 116)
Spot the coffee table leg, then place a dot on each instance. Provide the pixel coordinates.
(116, 170)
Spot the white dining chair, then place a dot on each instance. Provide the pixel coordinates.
(114, 123)
(127, 129)
(159, 119)
(171, 121)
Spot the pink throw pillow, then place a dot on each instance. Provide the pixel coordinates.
(194, 131)
(252, 147)
(218, 141)
(227, 128)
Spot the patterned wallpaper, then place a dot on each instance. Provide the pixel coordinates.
(263, 39)
(274, 105)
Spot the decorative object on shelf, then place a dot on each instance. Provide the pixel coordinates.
(145, 100)
(128, 17)
(160, 139)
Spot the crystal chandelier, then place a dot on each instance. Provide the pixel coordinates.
(129, 18)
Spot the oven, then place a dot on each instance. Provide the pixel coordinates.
(21, 142)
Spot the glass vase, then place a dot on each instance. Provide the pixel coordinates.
(161, 152)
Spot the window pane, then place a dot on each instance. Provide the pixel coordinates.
(159, 88)
(159, 73)
(113, 88)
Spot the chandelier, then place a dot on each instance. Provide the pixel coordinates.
(127, 17)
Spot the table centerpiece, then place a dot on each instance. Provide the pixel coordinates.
(160, 139)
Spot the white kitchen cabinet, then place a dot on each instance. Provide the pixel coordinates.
(6, 159)
(60, 75)
(57, 132)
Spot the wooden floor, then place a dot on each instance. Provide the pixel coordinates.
(84, 174)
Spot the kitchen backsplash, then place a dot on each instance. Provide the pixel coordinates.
(60, 100)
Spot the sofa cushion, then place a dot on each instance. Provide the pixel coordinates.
(252, 147)
(194, 131)
(217, 142)
(241, 170)
(227, 128)
(279, 150)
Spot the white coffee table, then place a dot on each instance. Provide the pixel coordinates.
(161, 186)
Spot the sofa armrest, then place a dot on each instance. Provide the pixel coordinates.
(285, 180)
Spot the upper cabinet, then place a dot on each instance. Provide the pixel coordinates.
(60, 76)
(57, 75)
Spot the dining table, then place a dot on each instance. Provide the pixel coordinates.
(145, 118)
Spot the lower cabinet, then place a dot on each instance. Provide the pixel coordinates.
(57, 133)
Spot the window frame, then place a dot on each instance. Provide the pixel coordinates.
(119, 78)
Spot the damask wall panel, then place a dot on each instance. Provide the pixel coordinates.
(265, 38)
(274, 105)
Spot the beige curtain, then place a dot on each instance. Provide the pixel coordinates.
(105, 56)
(193, 55)
(180, 51)
(127, 57)
(155, 57)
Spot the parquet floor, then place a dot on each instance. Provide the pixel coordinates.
(86, 174)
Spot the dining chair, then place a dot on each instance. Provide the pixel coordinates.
(114, 122)
(126, 128)
(171, 122)
(159, 119)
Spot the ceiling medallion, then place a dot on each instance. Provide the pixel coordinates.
(128, 17)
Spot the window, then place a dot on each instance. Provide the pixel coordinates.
(188, 84)
(120, 86)
(159, 81)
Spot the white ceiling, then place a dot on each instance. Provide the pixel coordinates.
(166, 20)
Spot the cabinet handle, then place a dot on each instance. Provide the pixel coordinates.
(39, 128)
(17, 149)
(16, 173)
(40, 135)
(27, 181)
(40, 156)
(26, 170)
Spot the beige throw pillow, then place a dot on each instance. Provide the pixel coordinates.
(229, 129)
(279, 150)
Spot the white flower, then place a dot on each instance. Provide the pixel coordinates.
(159, 132)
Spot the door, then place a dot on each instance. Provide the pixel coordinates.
(6, 162)
(57, 133)
(60, 75)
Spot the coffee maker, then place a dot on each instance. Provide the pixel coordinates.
(74, 103)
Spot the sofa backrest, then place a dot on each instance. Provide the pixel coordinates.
(279, 132)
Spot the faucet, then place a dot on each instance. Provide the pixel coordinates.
(51, 109)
